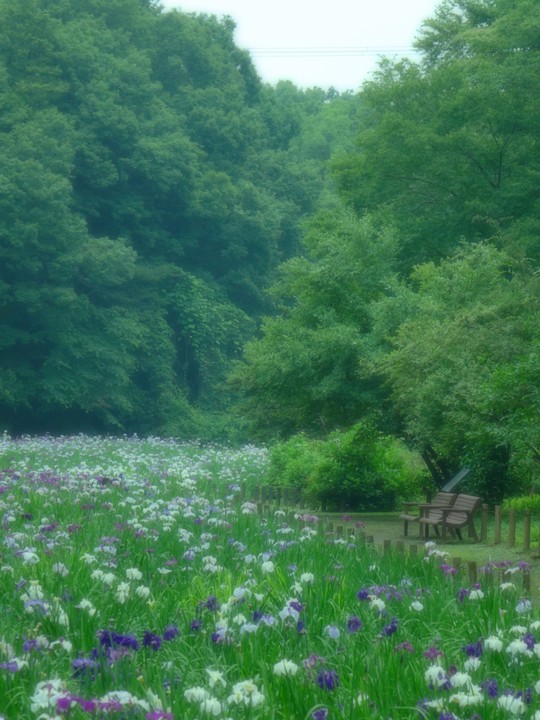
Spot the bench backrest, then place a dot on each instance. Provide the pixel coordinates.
(444, 498)
(466, 503)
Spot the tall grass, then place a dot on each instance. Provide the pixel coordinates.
(136, 584)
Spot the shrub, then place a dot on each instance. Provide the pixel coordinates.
(525, 502)
(360, 469)
(293, 462)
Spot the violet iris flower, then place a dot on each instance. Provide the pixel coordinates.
(328, 679)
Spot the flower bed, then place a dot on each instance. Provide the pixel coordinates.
(136, 584)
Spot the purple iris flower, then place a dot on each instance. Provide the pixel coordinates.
(447, 569)
(64, 703)
(30, 644)
(474, 650)
(152, 640)
(212, 603)
(391, 628)
(195, 625)
(328, 679)
(84, 666)
(49, 528)
(126, 641)
(37, 604)
(109, 639)
(171, 631)
(320, 714)
(433, 653)
(10, 665)
(353, 624)
(490, 687)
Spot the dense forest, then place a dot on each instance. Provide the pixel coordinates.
(186, 250)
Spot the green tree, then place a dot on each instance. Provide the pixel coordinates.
(148, 193)
(311, 369)
(460, 359)
(450, 147)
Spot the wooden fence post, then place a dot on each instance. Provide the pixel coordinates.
(527, 530)
(256, 493)
(473, 570)
(485, 516)
(512, 527)
(387, 544)
(400, 545)
(497, 537)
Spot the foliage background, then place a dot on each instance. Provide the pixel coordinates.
(187, 251)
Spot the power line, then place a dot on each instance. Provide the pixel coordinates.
(339, 51)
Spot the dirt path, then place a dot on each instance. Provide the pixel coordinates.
(386, 526)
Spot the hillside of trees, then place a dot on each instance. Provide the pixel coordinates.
(151, 184)
(186, 250)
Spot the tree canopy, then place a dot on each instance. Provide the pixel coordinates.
(149, 190)
(431, 317)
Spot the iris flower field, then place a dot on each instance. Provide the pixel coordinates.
(137, 581)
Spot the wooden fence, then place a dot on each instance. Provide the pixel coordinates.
(513, 530)
(290, 502)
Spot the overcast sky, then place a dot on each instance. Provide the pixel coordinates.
(315, 42)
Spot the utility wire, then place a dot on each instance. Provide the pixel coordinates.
(340, 51)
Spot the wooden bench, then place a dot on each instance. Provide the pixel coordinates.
(460, 514)
(432, 509)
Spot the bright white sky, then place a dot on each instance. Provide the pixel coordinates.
(316, 42)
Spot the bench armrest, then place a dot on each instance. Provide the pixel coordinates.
(430, 506)
(409, 505)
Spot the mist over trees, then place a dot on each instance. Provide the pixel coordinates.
(186, 250)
